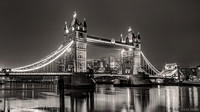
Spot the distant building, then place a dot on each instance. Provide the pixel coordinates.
(113, 62)
(105, 62)
(186, 72)
(98, 66)
(104, 65)
(98, 63)
(90, 63)
(198, 71)
(193, 71)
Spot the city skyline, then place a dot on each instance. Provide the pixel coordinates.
(31, 30)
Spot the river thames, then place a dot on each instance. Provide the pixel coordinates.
(37, 97)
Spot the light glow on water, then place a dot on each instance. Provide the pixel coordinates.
(34, 97)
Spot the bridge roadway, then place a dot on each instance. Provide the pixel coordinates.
(120, 75)
(58, 74)
(69, 74)
(37, 74)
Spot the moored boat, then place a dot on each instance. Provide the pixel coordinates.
(139, 79)
(191, 83)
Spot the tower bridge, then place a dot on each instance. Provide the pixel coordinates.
(71, 56)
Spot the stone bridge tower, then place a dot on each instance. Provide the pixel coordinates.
(130, 58)
(75, 58)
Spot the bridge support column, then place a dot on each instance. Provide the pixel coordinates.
(62, 95)
(127, 60)
(131, 61)
(136, 61)
(82, 80)
(140, 79)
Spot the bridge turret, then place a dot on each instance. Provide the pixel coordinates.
(66, 28)
(76, 25)
(131, 35)
(122, 39)
(75, 61)
(138, 36)
(131, 57)
(84, 28)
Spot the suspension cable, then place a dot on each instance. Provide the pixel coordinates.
(149, 64)
(46, 62)
(43, 59)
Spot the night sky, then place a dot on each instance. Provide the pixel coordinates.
(170, 29)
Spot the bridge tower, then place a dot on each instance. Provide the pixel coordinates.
(130, 58)
(75, 58)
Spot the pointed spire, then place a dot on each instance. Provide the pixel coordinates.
(81, 24)
(121, 35)
(66, 28)
(130, 35)
(74, 15)
(138, 35)
(74, 21)
(121, 38)
(65, 25)
(129, 29)
(84, 23)
(127, 40)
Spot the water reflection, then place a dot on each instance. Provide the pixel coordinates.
(82, 100)
(21, 97)
(143, 99)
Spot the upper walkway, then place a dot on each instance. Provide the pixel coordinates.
(103, 42)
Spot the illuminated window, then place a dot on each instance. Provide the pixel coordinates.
(72, 28)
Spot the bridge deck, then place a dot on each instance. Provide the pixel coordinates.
(120, 75)
(37, 74)
(69, 74)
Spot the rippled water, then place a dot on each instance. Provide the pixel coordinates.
(35, 97)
